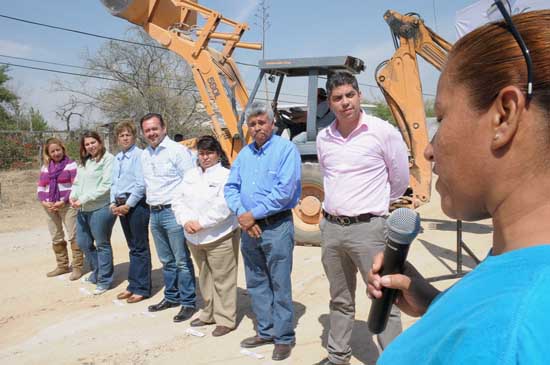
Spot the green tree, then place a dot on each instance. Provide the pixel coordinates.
(382, 111)
(8, 101)
(36, 119)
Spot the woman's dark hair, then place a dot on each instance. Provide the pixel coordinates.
(84, 156)
(488, 59)
(209, 143)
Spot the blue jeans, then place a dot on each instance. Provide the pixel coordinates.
(135, 226)
(268, 264)
(177, 267)
(97, 226)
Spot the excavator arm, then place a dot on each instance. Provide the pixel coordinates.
(174, 25)
(399, 80)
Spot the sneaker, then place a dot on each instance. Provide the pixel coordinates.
(90, 279)
(99, 290)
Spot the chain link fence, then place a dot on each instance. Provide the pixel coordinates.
(23, 149)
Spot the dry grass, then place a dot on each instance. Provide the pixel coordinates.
(19, 207)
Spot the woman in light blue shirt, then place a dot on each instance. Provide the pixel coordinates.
(128, 203)
(90, 195)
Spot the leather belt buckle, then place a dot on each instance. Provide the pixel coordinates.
(157, 208)
(343, 221)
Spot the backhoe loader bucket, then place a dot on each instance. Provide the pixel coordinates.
(162, 13)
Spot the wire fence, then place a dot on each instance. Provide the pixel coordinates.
(20, 149)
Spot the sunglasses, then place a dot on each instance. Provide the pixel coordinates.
(526, 54)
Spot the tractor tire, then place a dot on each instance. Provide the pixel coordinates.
(307, 214)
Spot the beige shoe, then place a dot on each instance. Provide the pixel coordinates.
(58, 271)
(60, 250)
(76, 274)
(78, 256)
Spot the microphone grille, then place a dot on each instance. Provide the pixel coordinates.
(403, 226)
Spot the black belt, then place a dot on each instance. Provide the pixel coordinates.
(158, 208)
(274, 218)
(346, 221)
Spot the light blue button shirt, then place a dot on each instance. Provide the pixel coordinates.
(127, 176)
(163, 169)
(265, 181)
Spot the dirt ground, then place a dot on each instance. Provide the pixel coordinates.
(54, 320)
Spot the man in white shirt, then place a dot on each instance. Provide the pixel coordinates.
(164, 165)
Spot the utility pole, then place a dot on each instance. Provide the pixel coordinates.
(262, 20)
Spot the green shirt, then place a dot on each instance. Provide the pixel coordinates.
(93, 183)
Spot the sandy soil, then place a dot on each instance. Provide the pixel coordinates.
(53, 320)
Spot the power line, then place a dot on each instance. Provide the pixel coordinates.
(80, 67)
(96, 77)
(47, 62)
(83, 75)
(58, 71)
(78, 31)
(97, 35)
(129, 42)
(93, 69)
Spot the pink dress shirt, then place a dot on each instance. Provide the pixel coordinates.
(364, 172)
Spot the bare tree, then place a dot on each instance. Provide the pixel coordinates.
(67, 110)
(135, 80)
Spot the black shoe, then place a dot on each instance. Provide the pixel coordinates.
(162, 305)
(255, 341)
(326, 361)
(184, 314)
(281, 351)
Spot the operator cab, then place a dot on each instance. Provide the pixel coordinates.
(302, 122)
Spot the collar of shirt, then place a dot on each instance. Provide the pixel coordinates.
(126, 154)
(262, 149)
(162, 145)
(211, 170)
(333, 131)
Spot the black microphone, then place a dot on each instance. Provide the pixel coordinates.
(403, 226)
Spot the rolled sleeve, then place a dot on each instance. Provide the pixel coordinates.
(397, 162)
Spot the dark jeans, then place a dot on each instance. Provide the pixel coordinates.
(97, 226)
(177, 267)
(268, 264)
(135, 226)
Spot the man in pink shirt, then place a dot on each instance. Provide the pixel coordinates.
(364, 163)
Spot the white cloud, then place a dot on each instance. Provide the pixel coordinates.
(11, 48)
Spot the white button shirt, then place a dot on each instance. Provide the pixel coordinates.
(199, 197)
(163, 169)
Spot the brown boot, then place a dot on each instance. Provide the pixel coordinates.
(60, 250)
(78, 262)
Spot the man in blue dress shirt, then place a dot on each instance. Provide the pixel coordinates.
(128, 203)
(263, 186)
(165, 162)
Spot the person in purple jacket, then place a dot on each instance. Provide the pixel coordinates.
(54, 187)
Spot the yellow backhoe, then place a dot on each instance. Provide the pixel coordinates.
(173, 23)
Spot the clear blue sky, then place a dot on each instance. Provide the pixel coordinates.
(303, 28)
